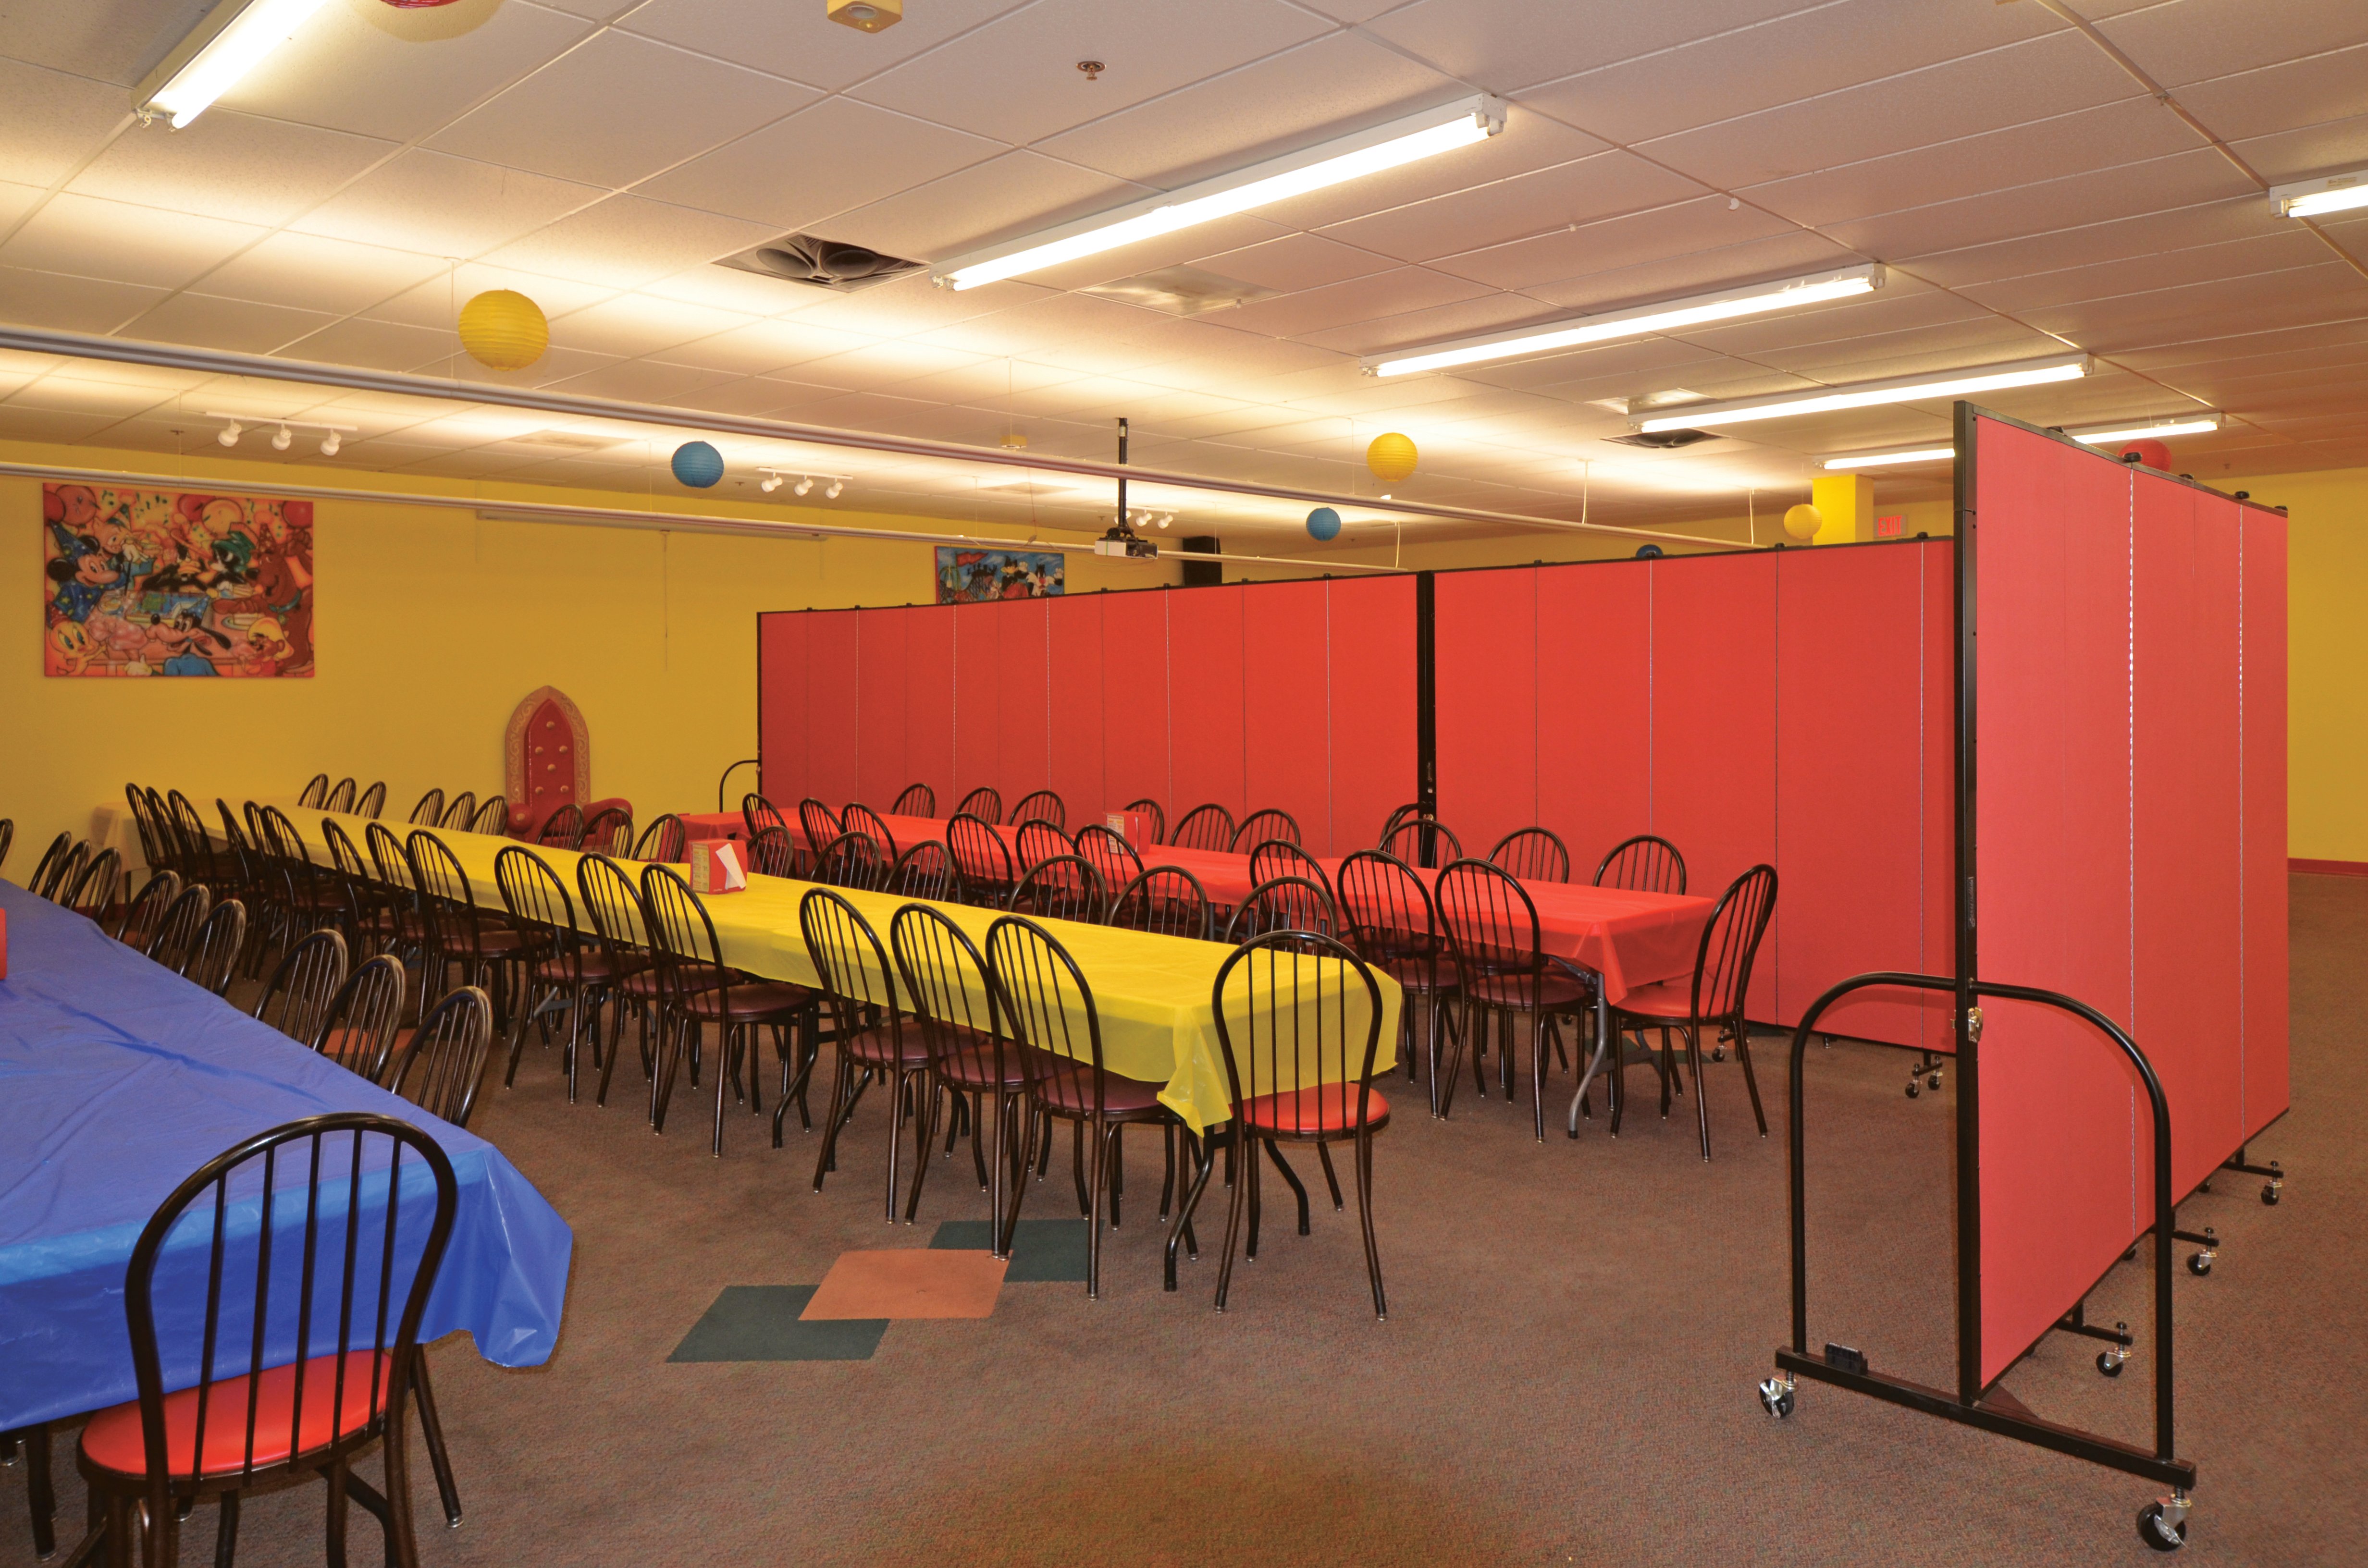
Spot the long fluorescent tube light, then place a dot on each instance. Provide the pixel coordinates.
(231, 41)
(1870, 394)
(1442, 129)
(1884, 460)
(1727, 304)
(2310, 197)
(2192, 427)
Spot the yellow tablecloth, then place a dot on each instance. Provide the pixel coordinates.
(1151, 993)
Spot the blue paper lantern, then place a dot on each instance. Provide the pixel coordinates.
(698, 465)
(1323, 523)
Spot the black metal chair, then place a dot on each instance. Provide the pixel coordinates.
(373, 800)
(923, 870)
(982, 861)
(176, 931)
(357, 1033)
(145, 910)
(1390, 824)
(479, 944)
(148, 1460)
(1039, 841)
(1286, 904)
(613, 906)
(1157, 815)
(295, 1000)
(916, 801)
(46, 870)
(405, 930)
(1111, 856)
(772, 854)
(818, 823)
(558, 970)
(852, 860)
(1714, 995)
(1532, 854)
(697, 988)
(860, 818)
(1065, 887)
(1503, 970)
(985, 802)
(442, 1065)
(369, 921)
(563, 829)
(341, 797)
(93, 891)
(1422, 841)
(1387, 915)
(8, 839)
(1041, 806)
(1299, 1018)
(198, 862)
(493, 818)
(761, 813)
(970, 1055)
(1642, 864)
(157, 851)
(1281, 857)
(213, 960)
(608, 830)
(460, 812)
(309, 896)
(1205, 827)
(429, 811)
(858, 986)
(63, 872)
(1259, 826)
(315, 791)
(1166, 900)
(666, 839)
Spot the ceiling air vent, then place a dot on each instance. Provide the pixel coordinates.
(822, 264)
(1663, 440)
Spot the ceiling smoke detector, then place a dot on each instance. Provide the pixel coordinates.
(821, 264)
(865, 16)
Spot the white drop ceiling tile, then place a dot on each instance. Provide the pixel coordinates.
(2294, 297)
(619, 109)
(2175, 360)
(1664, 358)
(1001, 199)
(61, 394)
(1787, 252)
(1461, 318)
(1359, 299)
(762, 345)
(123, 243)
(799, 42)
(1505, 45)
(556, 366)
(728, 289)
(625, 242)
(2282, 98)
(55, 121)
(2252, 257)
(638, 381)
(344, 71)
(1586, 191)
(879, 365)
(312, 273)
(2332, 148)
(984, 382)
(41, 425)
(374, 345)
(1293, 262)
(751, 397)
(1902, 304)
(908, 306)
(435, 205)
(241, 325)
(230, 165)
(2200, 39)
(2185, 179)
(2042, 250)
(632, 324)
(2267, 374)
(2052, 74)
(1016, 79)
(1615, 242)
(823, 160)
(1981, 341)
(69, 303)
(436, 301)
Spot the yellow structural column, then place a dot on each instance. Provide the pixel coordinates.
(1847, 503)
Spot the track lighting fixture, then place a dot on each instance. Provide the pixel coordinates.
(283, 440)
(803, 486)
(333, 436)
(836, 486)
(230, 434)
(771, 484)
(330, 443)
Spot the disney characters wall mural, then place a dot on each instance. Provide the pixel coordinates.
(152, 582)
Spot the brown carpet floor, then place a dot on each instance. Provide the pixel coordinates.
(1566, 1374)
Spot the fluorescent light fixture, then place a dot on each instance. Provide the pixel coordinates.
(2310, 197)
(1442, 129)
(1727, 304)
(231, 41)
(1872, 394)
(2196, 426)
(1885, 459)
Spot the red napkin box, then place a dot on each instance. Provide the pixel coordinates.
(1132, 826)
(716, 865)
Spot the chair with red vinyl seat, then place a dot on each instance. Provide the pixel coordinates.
(1205, 827)
(858, 987)
(1283, 858)
(359, 1032)
(859, 818)
(982, 861)
(613, 906)
(697, 989)
(1111, 856)
(373, 800)
(608, 830)
(759, 814)
(923, 870)
(478, 942)
(1166, 900)
(819, 824)
(274, 1404)
(972, 1057)
(772, 854)
(1064, 887)
(1503, 971)
(176, 929)
(560, 968)
(1714, 996)
(1387, 915)
(143, 912)
(315, 791)
(1038, 840)
(666, 839)
(429, 811)
(341, 798)
(295, 1000)
(1285, 903)
(563, 829)
(460, 812)
(493, 818)
(852, 860)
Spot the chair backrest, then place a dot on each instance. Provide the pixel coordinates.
(295, 1000)
(357, 1033)
(850, 965)
(213, 954)
(1040, 840)
(1065, 887)
(460, 812)
(1156, 812)
(1422, 841)
(981, 860)
(156, 855)
(614, 906)
(341, 797)
(1166, 900)
(352, 872)
(916, 801)
(1729, 944)
(1041, 806)
(143, 913)
(444, 1061)
(1296, 1011)
(316, 792)
(256, 1252)
(7, 837)
(947, 987)
(1386, 911)
(1109, 854)
(198, 862)
(1533, 854)
(563, 829)
(666, 839)
(985, 802)
(818, 823)
(852, 860)
(92, 892)
(429, 811)
(176, 930)
(761, 813)
(1286, 904)
(45, 869)
(1281, 857)
(771, 854)
(391, 867)
(608, 830)
(682, 938)
(1490, 922)
(64, 871)
(1390, 824)
(447, 903)
(924, 871)
(493, 818)
(541, 914)
(1046, 1004)
(1646, 863)
(1205, 827)
(860, 818)
(373, 802)
(1259, 826)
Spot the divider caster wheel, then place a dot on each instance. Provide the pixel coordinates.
(2270, 1192)
(1718, 1053)
(1776, 1396)
(1933, 1083)
(2199, 1264)
(1913, 1090)
(2110, 1361)
(2163, 1525)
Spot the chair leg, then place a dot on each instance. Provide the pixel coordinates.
(1233, 1222)
(669, 1059)
(1247, 1176)
(41, 1496)
(336, 1475)
(1117, 1171)
(1022, 1146)
(1701, 1100)
(1750, 1081)
(1094, 1223)
(226, 1531)
(431, 1428)
(1167, 1183)
(1364, 1147)
(517, 1046)
(903, 1090)
(1324, 1154)
(1298, 1188)
(1538, 1071)
(616, 1022)
(978, 1135)
(1086, 1205)
(841, 1103)
(402, 1544)
(1443, 1081)
(725, 1070)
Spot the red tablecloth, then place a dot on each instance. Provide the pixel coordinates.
(715, 824)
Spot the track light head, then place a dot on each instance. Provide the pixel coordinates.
(803, 486)
(836, 486)
(230, 434)
(282, 440)
(331, 442)
(771, 483)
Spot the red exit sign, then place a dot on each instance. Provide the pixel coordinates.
(1888, 527)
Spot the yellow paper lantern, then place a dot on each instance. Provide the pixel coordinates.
(504, 330)
(1804, 521)
(1391, 457)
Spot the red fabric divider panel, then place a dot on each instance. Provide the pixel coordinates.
(1939, 852)
(1205, 698)
(1849, 782)
(1134, 699)
(2060, 1179)
(781, 705)
(1595, 708)
(834, 653)
(1077, 673)
(879, 743)
(1713, 746)
(2266, 1091)
(1023, 692)
(928, 706)
(1286, 662)
(1372, 738)
(1484, 663)
(978, 702)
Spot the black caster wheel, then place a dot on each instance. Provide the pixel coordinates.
(1912, 1090)
(2199, 1264)
(1933, 1083)
(1718, 1053)
(2270, 1194)
(2109, 1363)
(2159, 1532)
(1776, 1398)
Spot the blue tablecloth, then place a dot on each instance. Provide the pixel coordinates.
(117, 1079)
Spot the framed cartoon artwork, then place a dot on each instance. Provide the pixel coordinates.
(976, 577)
(175, 582)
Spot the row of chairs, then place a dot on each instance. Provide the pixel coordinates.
(1210, 826)
(344, 796)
